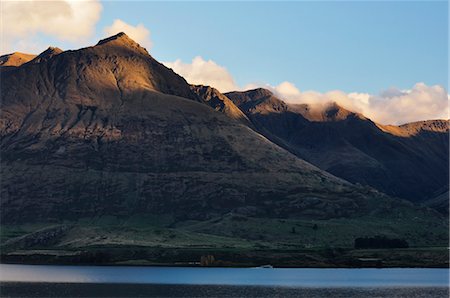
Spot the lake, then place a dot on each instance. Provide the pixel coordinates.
(125, 281)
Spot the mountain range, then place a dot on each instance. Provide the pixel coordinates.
(408, 161)
(106, 147)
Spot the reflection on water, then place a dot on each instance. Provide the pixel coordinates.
(402, 277)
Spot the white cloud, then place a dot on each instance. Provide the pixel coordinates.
(287, 89)
(422, 102)
(204, 72)
(392, 106)
(138, 33)
(68, 20)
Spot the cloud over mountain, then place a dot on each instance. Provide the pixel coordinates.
(204, 72)
(421, 102)
(392, 106)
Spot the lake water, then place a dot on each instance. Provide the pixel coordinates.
(120, 281)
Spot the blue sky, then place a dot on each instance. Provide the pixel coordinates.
(351, 46)
(385, 59)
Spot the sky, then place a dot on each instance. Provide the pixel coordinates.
(388, 60)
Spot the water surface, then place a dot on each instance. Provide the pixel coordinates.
(124, 281)
(300, 277)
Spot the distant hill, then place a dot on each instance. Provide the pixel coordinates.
(15, 59)
(408, 161)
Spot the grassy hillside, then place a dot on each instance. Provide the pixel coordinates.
(233, 239)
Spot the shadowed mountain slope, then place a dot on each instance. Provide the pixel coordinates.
(408, 161)
(440, 201)
(107, 130)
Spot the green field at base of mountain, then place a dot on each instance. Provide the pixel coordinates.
(232, 239)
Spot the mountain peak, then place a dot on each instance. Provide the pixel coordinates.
(119, 38)
(251, 97)
(333, 111)
(53, 50)
(328, 112)
(47, 54)
(259, 92)
(15, 59)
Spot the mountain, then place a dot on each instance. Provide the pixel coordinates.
(104, 148)
(15, 59)
(408, 161)
(83, 133)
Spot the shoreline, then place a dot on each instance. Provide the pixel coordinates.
(195, 258)
(225, 267)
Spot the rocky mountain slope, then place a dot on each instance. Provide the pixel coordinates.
(83, 135)
(408, 161)
(220, 102)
